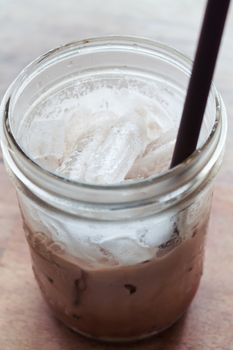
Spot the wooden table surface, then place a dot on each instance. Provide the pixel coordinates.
(29, 28)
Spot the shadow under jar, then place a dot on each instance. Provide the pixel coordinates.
(144, 275)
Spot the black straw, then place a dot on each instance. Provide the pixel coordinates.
(200, 81)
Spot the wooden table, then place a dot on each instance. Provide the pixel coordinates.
(29, 28)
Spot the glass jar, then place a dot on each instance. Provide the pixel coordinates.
(141, 276)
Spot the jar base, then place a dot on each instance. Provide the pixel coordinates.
(118, 339)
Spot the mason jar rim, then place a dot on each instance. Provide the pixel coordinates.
(162, 183)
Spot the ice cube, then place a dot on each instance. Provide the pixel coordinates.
(127, 251)
(162, 139)
(154, 232)
(152, 163)
(159, 117)
(82, 124)
(46, 138)
(50, 163)
(107, 156)
(114, 157)
(75, 166)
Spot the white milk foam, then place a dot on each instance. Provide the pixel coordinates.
(106, 135)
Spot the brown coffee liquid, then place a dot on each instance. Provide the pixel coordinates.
(118, 303)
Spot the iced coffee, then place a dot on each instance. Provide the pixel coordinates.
(116, 238)
(111, 280)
